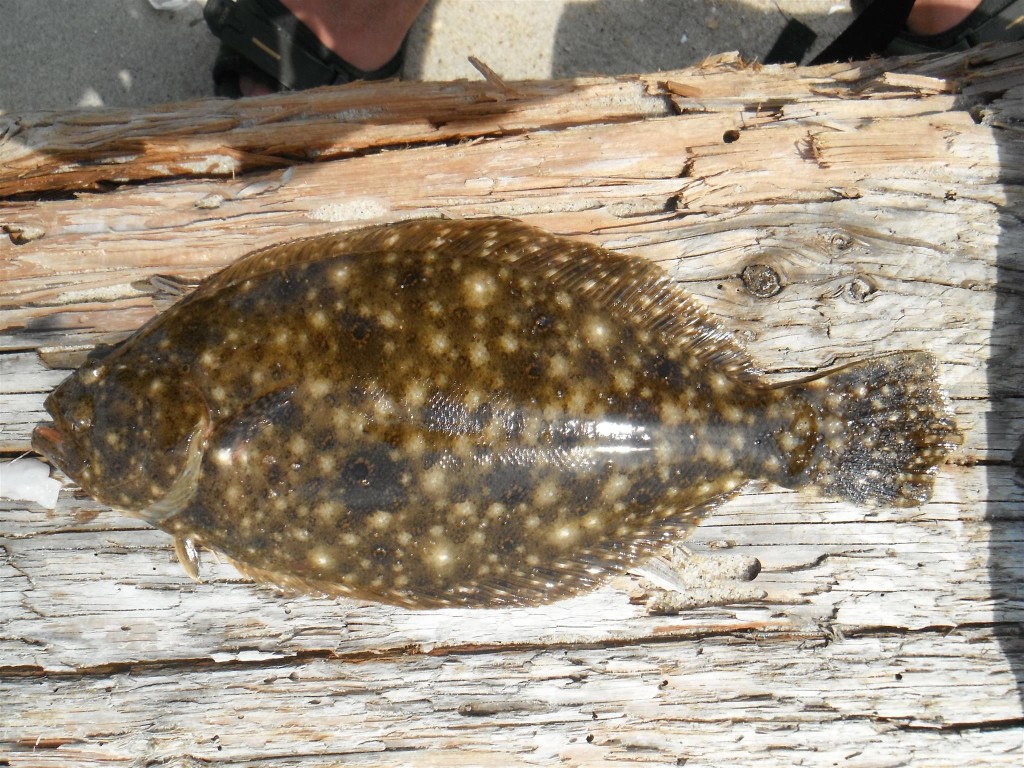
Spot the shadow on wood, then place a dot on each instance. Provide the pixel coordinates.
(1006, 390)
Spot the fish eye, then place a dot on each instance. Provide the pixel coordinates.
(80, 423)
(80, 416)
(91, 374)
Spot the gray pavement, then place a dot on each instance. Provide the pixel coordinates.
(58, 54)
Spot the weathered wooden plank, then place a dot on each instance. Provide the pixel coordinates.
(120, 246)
(892, 699)
(872, 637)
(70, 585)
(48, 151)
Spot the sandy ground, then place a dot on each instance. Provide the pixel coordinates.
(56, 54)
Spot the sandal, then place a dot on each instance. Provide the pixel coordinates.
(880, 28)
(263, 40)
(991, 21)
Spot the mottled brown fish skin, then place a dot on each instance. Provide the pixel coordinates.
(477, 413)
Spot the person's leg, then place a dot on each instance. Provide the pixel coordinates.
(952, 25)
(931, 17)
(902, 27)
(365, 33)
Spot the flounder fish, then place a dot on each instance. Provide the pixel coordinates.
(472, 413)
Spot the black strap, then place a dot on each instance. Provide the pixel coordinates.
(870, 32)
(792, 44)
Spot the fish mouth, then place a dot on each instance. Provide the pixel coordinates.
(48, 441)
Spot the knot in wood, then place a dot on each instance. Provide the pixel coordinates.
(761, 280)
(859, 290)
(23, 233)
(840, 241)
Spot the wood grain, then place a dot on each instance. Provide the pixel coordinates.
(823, 214)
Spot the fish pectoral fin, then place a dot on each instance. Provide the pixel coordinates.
(185, 485)
(188, 555)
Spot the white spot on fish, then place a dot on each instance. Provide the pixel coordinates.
(478, 289)
(415, 445)
(327, 511)
(615, 487)
(564, 534)
(671, 414)
(434, 482)
(546, 493)
(415, 394)
(732, 414)
(478, 354)
(508, 343)
(438, 343)
(320, 558)
(441, 557)
(719, 382)
(464, 509)
(558, 365)
(597, 332)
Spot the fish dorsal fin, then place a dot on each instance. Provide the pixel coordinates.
(380, 238)
(630, 286)
(306, 250)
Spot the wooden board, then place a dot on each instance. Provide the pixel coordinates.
(824, 214)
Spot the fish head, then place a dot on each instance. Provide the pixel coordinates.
(127, 432)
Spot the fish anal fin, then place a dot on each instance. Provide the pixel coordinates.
(291, 584)
(578, 573)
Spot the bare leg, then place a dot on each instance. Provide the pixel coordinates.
(930, 17)
(365, 33)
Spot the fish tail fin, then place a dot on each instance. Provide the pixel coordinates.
(870, 432)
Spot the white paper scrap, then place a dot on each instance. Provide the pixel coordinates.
(29, 480)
